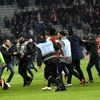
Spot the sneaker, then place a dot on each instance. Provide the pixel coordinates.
(29, 82)
(46, 88)
(5, 86)
(68, 84)
(61, 87)
(2, 82)
(8, 84)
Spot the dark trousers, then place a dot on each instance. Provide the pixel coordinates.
(10, 67)
(70, 69)
(23, 69)
(62, 68)
(51, 71)
(76, 66)
(91, 63)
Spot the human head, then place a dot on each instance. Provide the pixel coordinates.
(7, 43)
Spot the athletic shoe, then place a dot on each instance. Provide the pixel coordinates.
(5, 86)
(68, 84)
(8, 84)
(46, 88)
(61, 87)
(29, 82)
(2, 82)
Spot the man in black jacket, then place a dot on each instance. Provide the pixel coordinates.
(24, 57)
(92, 48)
(7, 52)
(77, 55)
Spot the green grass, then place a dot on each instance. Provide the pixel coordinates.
(34, 92)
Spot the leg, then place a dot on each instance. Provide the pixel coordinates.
(71, 71)
(78, 68)
(1, 70)
(62, 68)
(11, 68)
(30, 72)
(69, 78)
(89, 66)
(96, 62)
(23, 71)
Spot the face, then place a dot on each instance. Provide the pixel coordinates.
(59, 36)
(21, 39)
(30, 40)
(8, 43)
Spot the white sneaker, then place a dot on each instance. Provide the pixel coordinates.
(68, 84)
(46, 88)
(8, 84)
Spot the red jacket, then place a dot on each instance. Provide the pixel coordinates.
(55, 40)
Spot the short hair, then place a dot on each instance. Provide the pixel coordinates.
(52, 31)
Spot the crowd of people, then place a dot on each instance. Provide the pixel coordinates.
(20, 3)
(86, 20)
(59, 51)
(33, 34)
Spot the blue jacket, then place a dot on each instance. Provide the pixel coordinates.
(76, 49)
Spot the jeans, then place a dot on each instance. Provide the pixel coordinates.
(1, 70)
(11, 68)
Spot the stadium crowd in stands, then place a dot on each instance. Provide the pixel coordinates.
(66, 15)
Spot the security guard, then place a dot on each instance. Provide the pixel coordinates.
(46, 53)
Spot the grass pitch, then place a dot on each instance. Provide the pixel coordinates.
(34, 91)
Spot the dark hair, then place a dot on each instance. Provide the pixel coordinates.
(70, 32)
(63, 33)
(52, 31)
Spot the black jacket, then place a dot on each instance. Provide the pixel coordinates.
(7, 54)
(92, 48)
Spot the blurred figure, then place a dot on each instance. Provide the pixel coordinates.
(7, 52)
(66, 59)
(24, 57)
(2, 66)
(77, 54)
(46, 53)
(92, 48)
